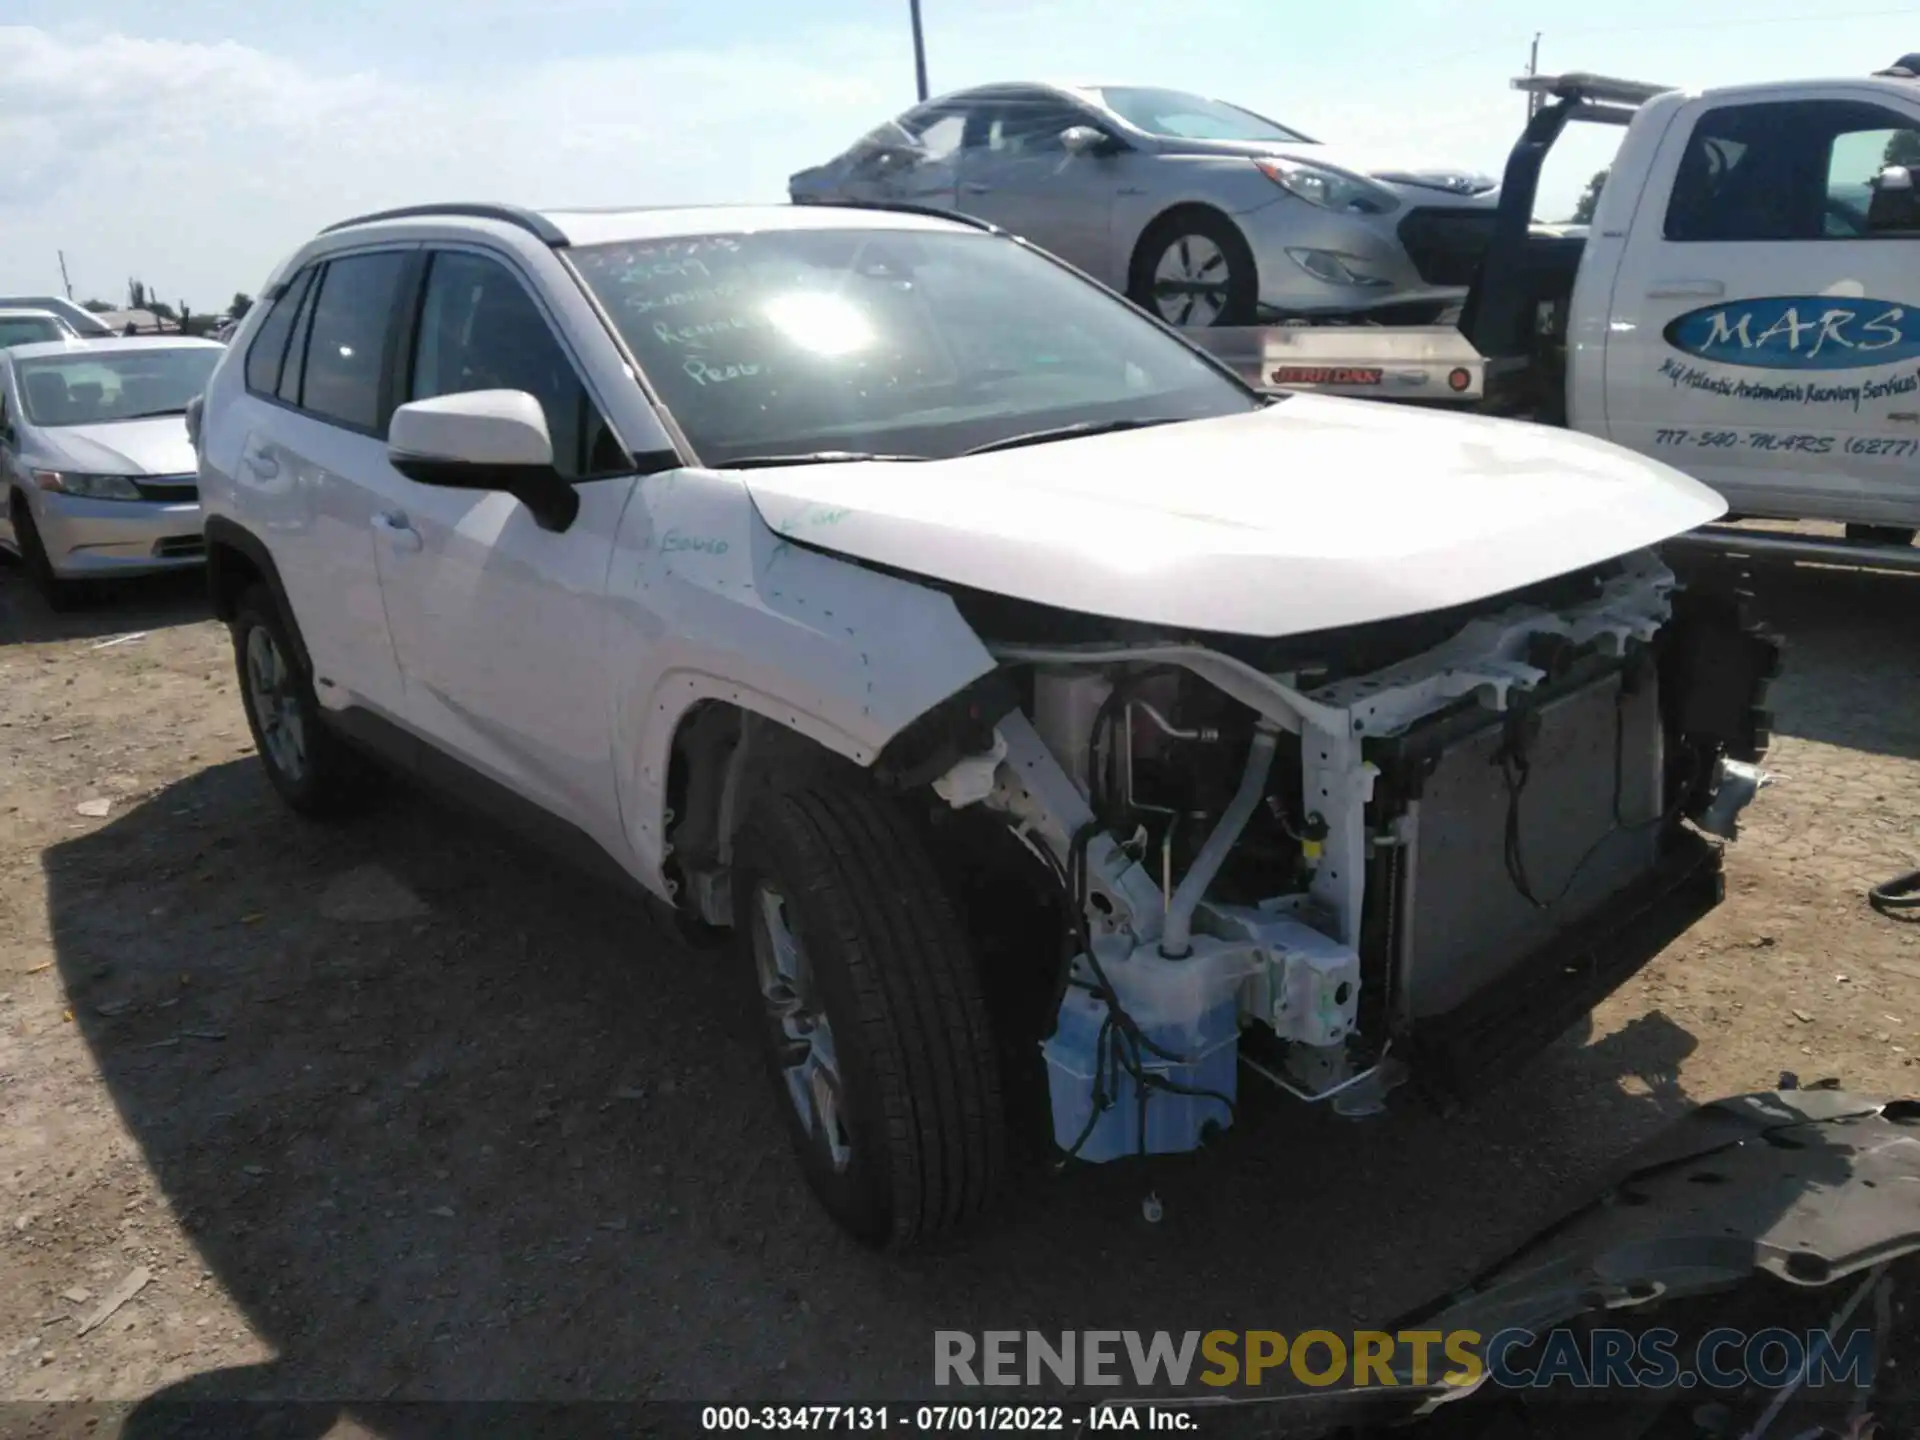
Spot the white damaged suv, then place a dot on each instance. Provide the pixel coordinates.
(1060, 727)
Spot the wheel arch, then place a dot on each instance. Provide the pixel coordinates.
(1170, 213)
(728, 742)
(237, 559)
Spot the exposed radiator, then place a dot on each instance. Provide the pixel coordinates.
(1463, 923)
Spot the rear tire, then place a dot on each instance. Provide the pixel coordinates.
(312, 768)
(57, 594)
(1204, 254)
(851, 938)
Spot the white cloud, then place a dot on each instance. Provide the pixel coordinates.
(197, 167)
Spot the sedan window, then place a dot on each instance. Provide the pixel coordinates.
(1193, 117)
(30, 330)
(904, 342)
(100, 386)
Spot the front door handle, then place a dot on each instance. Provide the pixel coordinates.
(399, 531)
(975, 187)
(1686, 290)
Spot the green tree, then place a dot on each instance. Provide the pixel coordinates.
(1903, 148)
(1590, 198)
(95, 307)
(241, 304)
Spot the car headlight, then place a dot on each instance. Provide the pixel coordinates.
(86, 487)
(1329, 189)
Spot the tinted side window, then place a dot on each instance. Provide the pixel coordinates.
(1781, 171)
(269, 347)
(1027, 126)
(295, 368)
(480, 330)
(347, 336)
(938, 131)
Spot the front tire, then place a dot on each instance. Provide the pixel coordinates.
(873, 1021)
(1194, 268)
(57, 594)
(312, 768)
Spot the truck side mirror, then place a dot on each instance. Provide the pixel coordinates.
(1893, 209)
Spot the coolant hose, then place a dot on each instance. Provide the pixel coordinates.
(1176, 937)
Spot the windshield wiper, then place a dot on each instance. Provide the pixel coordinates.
(1067, 432)
(154, 414)
(814, 457)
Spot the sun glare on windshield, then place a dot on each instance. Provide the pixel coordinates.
(823, 324)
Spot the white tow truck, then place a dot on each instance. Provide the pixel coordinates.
(1744, 305)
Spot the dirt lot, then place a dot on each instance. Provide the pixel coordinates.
(393, 1111)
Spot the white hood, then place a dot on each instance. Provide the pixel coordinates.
(126, 447)
(1315, 513)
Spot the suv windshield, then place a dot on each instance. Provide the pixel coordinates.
(1193, 117)
(30, 330)
(906, 342)
(94, 387)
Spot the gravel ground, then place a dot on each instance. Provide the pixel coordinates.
(392, 1110)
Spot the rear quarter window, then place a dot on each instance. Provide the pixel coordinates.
(268, 350)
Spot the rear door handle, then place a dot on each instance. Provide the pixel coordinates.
(1686, 290)
(399, 531)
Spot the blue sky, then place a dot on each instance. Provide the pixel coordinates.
(193, 144)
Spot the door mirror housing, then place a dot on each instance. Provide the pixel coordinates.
(1087, 140)
(1893, 208)
(483, 440)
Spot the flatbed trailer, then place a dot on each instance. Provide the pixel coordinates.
(1508, 352)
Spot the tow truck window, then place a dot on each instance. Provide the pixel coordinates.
(1786, 170)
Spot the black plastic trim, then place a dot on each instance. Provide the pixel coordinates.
(1534, 1003)
(536, 225)
(224, 534)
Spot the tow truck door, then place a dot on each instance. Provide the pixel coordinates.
(1764, 331)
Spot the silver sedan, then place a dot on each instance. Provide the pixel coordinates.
(1202, 212)
(99, 474)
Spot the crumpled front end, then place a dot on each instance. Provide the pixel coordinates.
(1434, 841)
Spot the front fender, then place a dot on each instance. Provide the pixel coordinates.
(709, 604)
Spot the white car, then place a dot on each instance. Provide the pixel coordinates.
(95, 460)
(1051, 716)
(24, 326)
(1202, 212)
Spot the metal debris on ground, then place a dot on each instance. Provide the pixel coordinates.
(135, 1282)
(120, 640)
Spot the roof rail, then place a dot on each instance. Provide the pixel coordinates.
(905, 207)
(1579, 85)
(536, 225)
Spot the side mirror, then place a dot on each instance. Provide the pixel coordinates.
(1893, 207)
(483, 440)
(1085, 140)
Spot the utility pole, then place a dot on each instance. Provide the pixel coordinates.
(1533, 68)
(65, 283)
(919, 51)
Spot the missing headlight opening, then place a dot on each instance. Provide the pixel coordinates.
(1423, 846)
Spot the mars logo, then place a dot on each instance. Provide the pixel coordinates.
(1800, 332)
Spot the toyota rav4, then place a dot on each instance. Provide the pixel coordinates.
(1053, 726)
